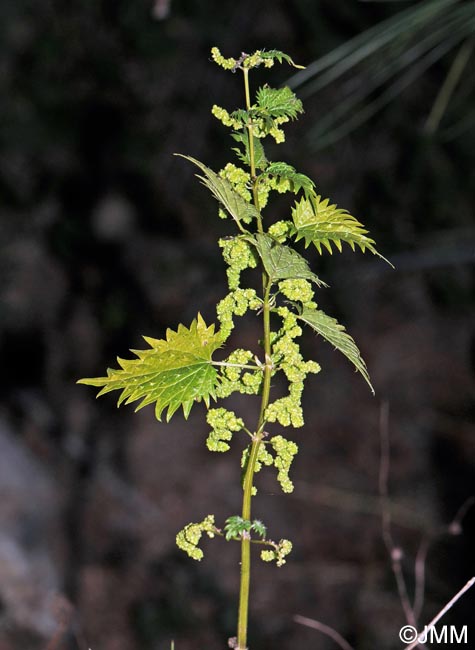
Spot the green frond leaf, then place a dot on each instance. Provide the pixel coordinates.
(174, 372)
(221, 189)
(331, 330)
(283, 171)
(282, 262)
(322, 224)
(278, 102)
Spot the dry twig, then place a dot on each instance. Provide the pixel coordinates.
(325, 629)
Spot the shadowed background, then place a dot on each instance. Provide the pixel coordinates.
(106, 236)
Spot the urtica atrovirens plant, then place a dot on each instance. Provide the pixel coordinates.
(179, 370)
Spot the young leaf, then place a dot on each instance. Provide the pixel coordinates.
(322, 224)
(174, 372)
(278, 102)
(259, 528)
(331, 330)
(297, 181)
(221, 189)
(282, 262)
(260, 160)
(280, 56)
(235, 526)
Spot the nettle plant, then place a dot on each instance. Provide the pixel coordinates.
(180, 370)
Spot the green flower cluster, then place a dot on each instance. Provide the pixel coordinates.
(234, 379)
(277, 133)
(227, 64)
(239, 179)
(255, 60)
(248, 60)
(286, 354)
(285, 451)
(189, 538)
(224, 423)
(239, 255)
(263, 458)
(297, 289)
(280, 185)
(281, 550)
(280, 230)
(261, 129)
(236, 303)
(225, 117)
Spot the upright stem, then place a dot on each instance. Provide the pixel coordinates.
(249, 478)
(257, 437)
(252, 156)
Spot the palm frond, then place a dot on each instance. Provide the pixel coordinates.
(376, 66)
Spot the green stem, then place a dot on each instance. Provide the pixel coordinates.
(258, 436)
(252, 156)
(249, 478)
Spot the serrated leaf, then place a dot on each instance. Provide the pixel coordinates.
(222, 190)
(331, 330)
(280, 56)
(235, 526)
(173, 372)
(259, 528)
(282, 170)
(278, 102)
(240, 115)
(282, 262)
(322, 224)
(260, 160)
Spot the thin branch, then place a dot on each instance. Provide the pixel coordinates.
(442, 613)
(420, 576)
(325, 629)
(455, 527)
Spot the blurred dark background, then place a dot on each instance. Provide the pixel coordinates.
(106, 236)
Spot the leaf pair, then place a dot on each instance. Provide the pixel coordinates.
(235, 527)
(281, 263)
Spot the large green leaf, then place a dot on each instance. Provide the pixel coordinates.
(320, 223)
(334, 333)
(282, 262)
(222, 190)
(174, 372)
